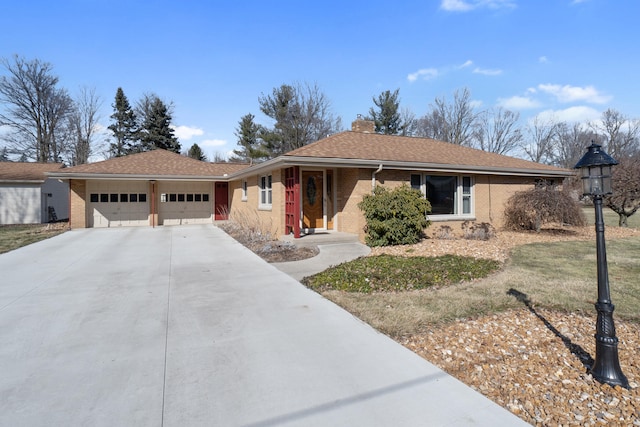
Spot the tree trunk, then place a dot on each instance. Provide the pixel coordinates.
(622, 220)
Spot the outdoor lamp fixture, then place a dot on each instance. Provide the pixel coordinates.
(595, 171)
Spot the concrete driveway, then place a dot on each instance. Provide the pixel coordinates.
(182, 326)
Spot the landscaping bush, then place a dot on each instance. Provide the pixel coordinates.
(529, 210)
(478, 231)
(395, 217)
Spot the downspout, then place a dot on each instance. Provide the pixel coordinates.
(373, 177)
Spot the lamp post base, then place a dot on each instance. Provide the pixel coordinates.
(606, 368)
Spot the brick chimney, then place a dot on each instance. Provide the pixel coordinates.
(364, 126)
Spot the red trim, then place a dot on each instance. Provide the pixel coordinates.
(292, 201)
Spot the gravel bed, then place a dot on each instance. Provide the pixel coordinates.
(532, 361)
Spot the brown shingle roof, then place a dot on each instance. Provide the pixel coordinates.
(157, 163)
(371, 146)
(22, 171)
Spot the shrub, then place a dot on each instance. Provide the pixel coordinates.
(395, 217)
(530, 209)
(444, 232)
(475, 231)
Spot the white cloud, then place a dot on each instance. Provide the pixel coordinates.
(468, 5)
(212, 143)
(468, 63)
(518, 103)
(423, 74)
(569, 93)
(572, 114)
(185, 133)
(487, 72)
(543, 60)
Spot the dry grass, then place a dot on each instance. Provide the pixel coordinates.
(15, 236)
(557, 272)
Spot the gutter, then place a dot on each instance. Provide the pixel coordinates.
(373, 177)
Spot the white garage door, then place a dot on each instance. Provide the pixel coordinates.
(185, 203)
(118, 203)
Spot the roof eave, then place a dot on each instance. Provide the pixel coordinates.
(137, 177)
(448, 168)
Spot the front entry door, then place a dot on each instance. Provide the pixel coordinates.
(312, 204)
(221, 201)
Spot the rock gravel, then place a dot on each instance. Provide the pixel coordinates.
(534, 362)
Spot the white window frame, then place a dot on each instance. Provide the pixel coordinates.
(265, 195)
(463, 194)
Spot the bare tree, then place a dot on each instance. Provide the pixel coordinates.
(620, 132)
(570, 143)
(497, 131)
(450, 122)
(83, 126)
(625, 200)
(539, 145)
(35, 109)
(302, 114)
(409, 122)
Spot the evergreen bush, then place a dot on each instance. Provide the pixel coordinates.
(395, 217)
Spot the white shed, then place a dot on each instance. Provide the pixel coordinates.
(27, 196)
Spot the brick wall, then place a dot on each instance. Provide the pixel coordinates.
(78, 203)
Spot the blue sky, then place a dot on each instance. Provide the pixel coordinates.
(213, 59)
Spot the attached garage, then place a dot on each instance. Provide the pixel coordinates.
(148, 189)
(185, 203)
(118, 203)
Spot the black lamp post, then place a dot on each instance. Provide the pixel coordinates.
(595, 171)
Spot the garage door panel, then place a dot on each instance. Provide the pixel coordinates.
(118, 203)
(185, 203)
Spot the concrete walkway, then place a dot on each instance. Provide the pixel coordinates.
(183, 326)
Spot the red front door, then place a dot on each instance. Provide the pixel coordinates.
(221, 201)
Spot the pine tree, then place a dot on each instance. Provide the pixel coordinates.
(387, 115)
(250, 146)
(195, 152)
(156, 131)
(124, 127)
(4, 155)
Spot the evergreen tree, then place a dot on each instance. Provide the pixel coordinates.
(386, 115)
(195, 152)
(156, 131)
(250, 146)
(4, 155)
(124, 126)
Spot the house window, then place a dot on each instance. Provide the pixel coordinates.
(265, 192)
(124, 198)
(449, 195)
(205, 197)
(189, 197)
(142, 197)
(198, 197)
(181, 197)
(94, 198)
(113, 198)
(104, 198)
(244, 190)
(133, 198)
